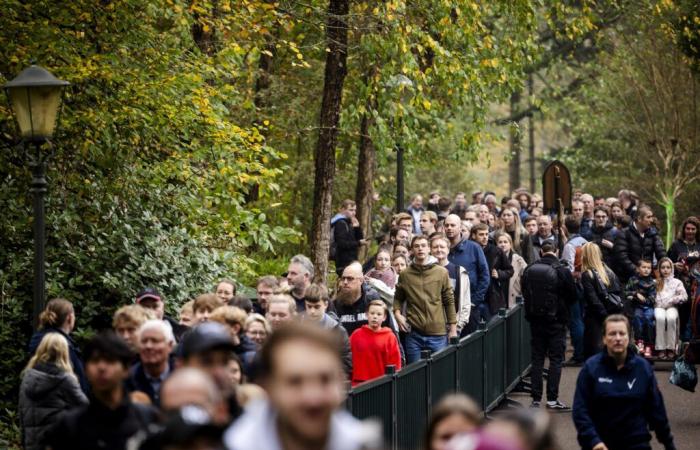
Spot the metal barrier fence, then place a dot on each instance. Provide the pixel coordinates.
(486, 365)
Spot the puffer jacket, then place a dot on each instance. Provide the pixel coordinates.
(672, 294)
(46, 391)
(630, 247)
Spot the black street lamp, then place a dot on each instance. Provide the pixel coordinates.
(404, 86)
(35, 97)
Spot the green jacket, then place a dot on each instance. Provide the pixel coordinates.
(428, 296)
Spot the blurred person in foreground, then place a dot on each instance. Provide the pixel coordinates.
(302, 372)
(617, 400)
(111, 418)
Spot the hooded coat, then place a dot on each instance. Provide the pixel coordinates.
(46, 391)
(672, 294)
(631, 246)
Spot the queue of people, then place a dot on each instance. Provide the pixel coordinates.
(226, 365)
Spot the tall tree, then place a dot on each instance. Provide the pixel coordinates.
(324, 156)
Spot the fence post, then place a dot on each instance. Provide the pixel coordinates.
(391, 370)
(426, 355)
(454, 340)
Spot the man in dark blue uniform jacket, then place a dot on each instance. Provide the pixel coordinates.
(617, 400)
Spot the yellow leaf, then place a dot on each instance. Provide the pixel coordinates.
(426, 104)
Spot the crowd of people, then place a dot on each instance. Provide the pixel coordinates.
(229, 372)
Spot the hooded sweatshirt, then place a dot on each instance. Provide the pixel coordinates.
(372, 351)
(45, 393)
(429, 297)
(672, 293)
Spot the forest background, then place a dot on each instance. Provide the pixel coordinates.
(210, 138)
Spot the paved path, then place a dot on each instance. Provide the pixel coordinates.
(683, 409)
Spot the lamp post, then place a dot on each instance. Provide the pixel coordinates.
(35, 96)
(404, 86)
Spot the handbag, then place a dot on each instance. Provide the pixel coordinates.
(684, 375)
(611, 301)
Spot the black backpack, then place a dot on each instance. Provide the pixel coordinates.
(542, 303)
(332, 247)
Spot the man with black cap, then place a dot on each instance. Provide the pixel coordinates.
(150, 298)
(111, 418)
(209, 347)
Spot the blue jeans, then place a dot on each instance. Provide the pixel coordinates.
(576, 327)
(416, 342)
(643, 324)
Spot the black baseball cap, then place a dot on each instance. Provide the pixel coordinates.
(205, 337)
(148, 292)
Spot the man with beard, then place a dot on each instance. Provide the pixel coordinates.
(352, 298)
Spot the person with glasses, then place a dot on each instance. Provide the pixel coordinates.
(352, 298)
(604, 233)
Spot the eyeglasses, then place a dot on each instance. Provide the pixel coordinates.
(348, 279)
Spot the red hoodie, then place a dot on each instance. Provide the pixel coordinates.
(372, 351)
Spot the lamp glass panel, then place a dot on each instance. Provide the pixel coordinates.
(36, 109)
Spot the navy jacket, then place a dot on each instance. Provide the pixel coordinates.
(619, 407)
(73, 351)
(469, 255)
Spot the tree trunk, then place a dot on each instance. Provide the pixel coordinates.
(324, 157)
(514, 164)
(366, 164)
(531, 138)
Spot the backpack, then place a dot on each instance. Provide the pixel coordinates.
(540, 304)
(332, 247)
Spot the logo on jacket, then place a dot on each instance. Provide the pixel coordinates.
(604, 380)
(631, 383)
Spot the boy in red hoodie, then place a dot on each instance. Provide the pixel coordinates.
(373, 347)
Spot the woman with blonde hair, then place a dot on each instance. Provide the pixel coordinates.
(59, 317)
(49, 387)
(511, 224)
(258, 329)
(600, 284)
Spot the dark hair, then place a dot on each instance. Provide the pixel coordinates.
(548, 247)
(450, 405)
(293, 331)
(572, 224)
(227, 281)
(617, 318)
(55, 314)
(530, 219)
(108, 345)
(644, 261)
(693, 221)
(478, 227)
(242, 302)
(316, 293)
(601, 208)
(420, 237)
(444, 203)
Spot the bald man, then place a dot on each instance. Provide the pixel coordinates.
(190, 386)
(352, 298)
(469, 255)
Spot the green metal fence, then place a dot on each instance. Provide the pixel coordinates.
(486, 365)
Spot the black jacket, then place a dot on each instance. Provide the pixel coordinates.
(593, 294)
(497, 295)
(98, 427)
(45, 393)
(564, 290)
(608, 233)
(680, 250)
(353, 316)
(347, 242)
(630, 247)
(178, 330)
(76, 359)
(138, 381)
